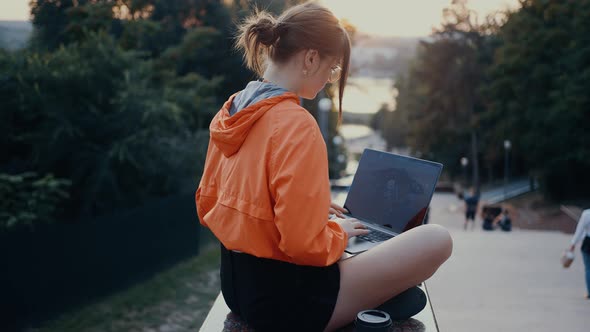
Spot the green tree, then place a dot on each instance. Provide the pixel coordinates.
(392, 124)
(49, 20)
(439, 102)
(537, 94)
(91, 112)
(154, 26)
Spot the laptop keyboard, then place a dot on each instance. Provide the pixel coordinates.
(375, 236)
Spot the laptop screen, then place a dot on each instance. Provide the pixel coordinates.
(392, 190)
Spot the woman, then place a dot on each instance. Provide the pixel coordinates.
(582, 234)
(265, 191)
(471, 203)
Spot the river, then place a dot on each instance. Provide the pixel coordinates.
(367, 94)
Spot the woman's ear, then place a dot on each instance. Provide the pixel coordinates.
(311, 61)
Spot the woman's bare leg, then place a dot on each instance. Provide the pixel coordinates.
(375, 276)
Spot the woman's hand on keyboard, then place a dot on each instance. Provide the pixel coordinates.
(352, 227)
(338, 210)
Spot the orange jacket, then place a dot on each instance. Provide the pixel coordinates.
(265, 188)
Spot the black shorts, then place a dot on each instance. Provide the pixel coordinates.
(271, 295)
(470, 215)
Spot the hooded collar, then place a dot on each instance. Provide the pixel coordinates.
(229, 132)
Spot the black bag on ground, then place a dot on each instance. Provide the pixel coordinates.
(405, 305)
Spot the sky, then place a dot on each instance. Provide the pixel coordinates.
(404, 18)
(14, 10)
(412, 18)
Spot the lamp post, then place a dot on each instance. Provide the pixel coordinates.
(464, 163)
(341, 158)
(325, 106)
(507, 147)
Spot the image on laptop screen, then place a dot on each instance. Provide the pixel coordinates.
(391, 190)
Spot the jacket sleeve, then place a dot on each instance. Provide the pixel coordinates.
(300, 187)
(581, 228)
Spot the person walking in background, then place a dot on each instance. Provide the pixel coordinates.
(471, 204)
(582, 234)
(265, 191)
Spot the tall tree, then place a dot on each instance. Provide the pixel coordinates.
(538, 92)
(461, 31)
(50, 19)
(439, 98)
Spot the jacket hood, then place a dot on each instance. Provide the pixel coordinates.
(228, 132)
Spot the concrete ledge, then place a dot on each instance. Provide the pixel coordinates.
(572, 211)
(220, 319)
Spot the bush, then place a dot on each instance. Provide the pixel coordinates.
(29, 199)
(105, 118)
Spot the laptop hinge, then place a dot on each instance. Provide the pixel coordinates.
(380, 228)
(375, 226)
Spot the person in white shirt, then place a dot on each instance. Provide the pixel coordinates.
(583, 235)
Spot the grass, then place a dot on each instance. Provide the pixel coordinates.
(177, 299)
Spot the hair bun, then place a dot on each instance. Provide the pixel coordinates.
(267, 29)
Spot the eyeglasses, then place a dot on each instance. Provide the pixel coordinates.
(335, 73)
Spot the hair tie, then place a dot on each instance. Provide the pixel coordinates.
(278, 30)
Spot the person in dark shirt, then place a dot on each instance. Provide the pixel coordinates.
(503, 220)
(471, 203)
(488, 219)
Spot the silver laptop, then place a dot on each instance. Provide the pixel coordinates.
(389, 194)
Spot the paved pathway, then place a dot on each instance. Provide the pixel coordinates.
(498, 281)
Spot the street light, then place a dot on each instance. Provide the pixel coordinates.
(341, 158)
(325, 106)
(464, 163)
(507, 147)
(337, 140)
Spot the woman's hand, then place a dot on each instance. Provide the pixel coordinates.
(572, 247)
(352, 227)
(337, 210)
